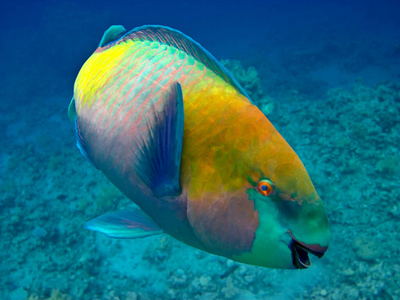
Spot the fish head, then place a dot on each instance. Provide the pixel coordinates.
(250, 196)
(292, 219)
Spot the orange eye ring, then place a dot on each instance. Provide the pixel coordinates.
(265, 187)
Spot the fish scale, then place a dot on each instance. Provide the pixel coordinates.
(140, 85)
(173, 130)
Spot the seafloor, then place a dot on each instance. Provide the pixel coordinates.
(345, 129)
(349, 142)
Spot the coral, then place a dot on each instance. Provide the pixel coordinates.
(248, 78)
(8, 191)
(159, 253)
(179, 280)
(230, 290)
(250, 81)
(55, 162)
(131, 296)
(353, 155)
(108, 198)
(366, 248)
(349, 142)
(388, 165)
(55, 295)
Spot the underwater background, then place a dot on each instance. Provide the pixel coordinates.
(326, 74)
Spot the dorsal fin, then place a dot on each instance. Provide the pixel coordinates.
(177, 39)
(111, 34)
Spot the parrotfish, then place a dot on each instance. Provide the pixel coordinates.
(172, 129)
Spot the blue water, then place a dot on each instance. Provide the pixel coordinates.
(328, 77)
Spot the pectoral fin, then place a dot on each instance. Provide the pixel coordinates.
(80, 144)
(130, 223)
(159, 151)
(71, 110)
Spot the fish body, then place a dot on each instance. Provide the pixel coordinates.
(177, 134)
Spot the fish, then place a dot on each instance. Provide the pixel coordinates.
(176, 133)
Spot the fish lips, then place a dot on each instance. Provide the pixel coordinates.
(301, 250)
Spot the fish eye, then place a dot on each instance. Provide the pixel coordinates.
(265, 187)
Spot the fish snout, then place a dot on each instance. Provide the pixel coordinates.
(300, 251)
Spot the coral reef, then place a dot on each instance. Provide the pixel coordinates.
(329, 85)
(352, 149)
(349, 143)
(250, 81)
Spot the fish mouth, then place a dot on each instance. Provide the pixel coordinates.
(301, 250)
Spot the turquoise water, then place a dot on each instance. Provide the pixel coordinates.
(326, 74)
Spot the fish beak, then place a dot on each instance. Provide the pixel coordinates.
(301, 250)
